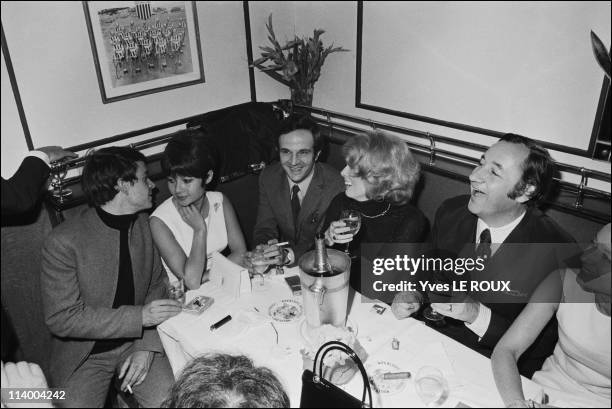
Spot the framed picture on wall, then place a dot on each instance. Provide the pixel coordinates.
(142, 47)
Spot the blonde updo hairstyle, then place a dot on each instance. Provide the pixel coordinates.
(385, 162)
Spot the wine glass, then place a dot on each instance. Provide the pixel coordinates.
(258, 266)
(352, 220)
(431, 386)
(59, 172)
(437, 296)
(176, 290)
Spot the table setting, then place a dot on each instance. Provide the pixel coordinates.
(408, 364)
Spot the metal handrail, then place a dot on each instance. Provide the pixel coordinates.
(429, 147)
(438, 138)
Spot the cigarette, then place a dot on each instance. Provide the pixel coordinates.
(129, 388)
(396, 375)
(284, 243)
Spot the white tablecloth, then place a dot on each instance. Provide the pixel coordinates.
(250, 332)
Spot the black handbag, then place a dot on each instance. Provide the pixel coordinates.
(318, 392)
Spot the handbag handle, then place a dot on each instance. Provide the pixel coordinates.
(340, 346)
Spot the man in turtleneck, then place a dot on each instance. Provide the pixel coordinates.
(500, 224)
(103, 288)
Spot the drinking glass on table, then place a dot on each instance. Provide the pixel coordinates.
(176, 290)
(258, 265)
(352, 220)
(437, 296)
(431, 386)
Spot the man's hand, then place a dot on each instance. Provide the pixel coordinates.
(274, 254)
(23, 375)
(405, 304)
(56, 153)
(135, 368)
(466, 311)
(158, 311)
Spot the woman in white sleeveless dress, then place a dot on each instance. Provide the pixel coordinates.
(577, 374)
(193, 223)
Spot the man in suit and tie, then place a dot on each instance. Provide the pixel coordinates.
(499, 223)
(103, 288)
(295, 193)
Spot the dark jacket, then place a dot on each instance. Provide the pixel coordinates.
(526, 257)
(274, 217)
(21, 192)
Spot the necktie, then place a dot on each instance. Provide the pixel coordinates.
(295, 205)
(484, 247)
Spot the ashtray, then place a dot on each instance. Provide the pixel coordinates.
(285, 311)
(199, 304)
(376, 370)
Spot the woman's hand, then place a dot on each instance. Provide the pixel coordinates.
(192, 216)
(337, 232)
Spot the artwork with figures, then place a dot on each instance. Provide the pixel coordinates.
(144, 46)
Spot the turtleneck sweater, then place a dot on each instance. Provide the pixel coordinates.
(124, 294)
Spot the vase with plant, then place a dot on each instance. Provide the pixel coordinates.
(296, 64)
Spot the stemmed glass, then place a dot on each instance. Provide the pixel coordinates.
(59, 172)
(258, 266)
(437, 296)
(352, 220)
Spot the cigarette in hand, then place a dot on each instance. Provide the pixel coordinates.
(129, 388)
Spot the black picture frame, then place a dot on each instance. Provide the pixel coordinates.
(600, 133)
(131, 58)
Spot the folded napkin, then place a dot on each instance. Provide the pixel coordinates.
(229, 276)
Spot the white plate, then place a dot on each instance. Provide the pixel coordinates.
(285, 311)
(375, 371)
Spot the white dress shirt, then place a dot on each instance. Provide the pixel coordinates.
(303, 185)
(498, 236)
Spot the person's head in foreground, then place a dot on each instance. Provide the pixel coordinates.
(512, 174)
(226, 381)
(380, 167)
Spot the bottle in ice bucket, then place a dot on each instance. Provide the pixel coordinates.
(324, 274)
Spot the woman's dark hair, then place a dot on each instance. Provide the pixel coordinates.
(103, 169)
(189, 153)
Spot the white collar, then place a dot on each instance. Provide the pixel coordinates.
(498, 234)
(303, 185)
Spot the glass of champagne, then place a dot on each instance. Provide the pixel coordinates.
(437, 296)
(59, 171)
(352, 220)
(431, 386)
(176, 289)
(258, 265)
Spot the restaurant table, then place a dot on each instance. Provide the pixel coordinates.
(277, 345)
